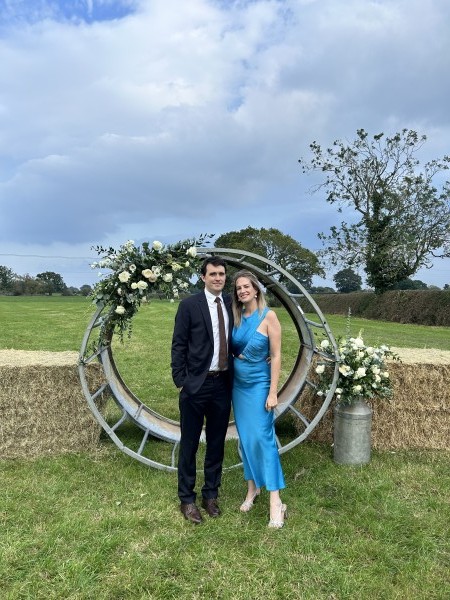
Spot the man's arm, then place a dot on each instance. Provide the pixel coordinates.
(180, 344)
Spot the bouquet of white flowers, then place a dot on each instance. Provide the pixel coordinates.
(362, 370)
(137, 272)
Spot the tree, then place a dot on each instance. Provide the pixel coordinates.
(7, 278)
(347, 280)
(401, 220)
(53, 282)
(410, 284)
(85, 289)
(278, 247)
(70, 290)
(26, 285)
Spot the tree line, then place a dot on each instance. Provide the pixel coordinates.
(46, 283)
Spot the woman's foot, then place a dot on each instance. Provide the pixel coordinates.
(277, 515)
(250, 500)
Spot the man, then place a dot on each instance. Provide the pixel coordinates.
(201, 372)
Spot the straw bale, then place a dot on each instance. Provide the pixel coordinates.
(417, 415)
(42, 404)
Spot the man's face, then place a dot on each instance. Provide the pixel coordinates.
(214, 279)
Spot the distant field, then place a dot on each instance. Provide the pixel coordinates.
(58, 323)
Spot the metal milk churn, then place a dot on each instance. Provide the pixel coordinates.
(352, 433)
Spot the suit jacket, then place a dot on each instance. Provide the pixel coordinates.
(193, 343)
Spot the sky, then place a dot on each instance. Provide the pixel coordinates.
(163, 119)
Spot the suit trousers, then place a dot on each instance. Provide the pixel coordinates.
(213, 403)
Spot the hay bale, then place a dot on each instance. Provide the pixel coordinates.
(417, 415)
(43, 408)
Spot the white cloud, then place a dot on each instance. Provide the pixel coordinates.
(190, 116)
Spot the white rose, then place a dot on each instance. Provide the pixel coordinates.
(357, 389)
(359, 342)
(324, 344)
(360, 373)
(192, 251)
(377, 378)
(369, 350)
(320, 369)
(176, 267)
(344, 370)
(157, 245)
(148, 274)
(142, 285)
(338, 391)
(134, 285)
(129, 243)
(375, 370)
(132, 268)
(119, 291)
(187, 263)
(385, 374)
(167, 277)
(124, 276)
(120, 310)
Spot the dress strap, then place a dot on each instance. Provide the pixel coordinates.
(263, 315)
(257, 322)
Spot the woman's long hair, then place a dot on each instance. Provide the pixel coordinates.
(237, 305)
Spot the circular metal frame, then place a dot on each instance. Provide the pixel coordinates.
(157, 426)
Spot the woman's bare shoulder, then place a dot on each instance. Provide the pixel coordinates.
(271, 316)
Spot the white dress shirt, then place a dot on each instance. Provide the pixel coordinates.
(212, 304)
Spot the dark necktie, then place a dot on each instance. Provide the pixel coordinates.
(223, 352)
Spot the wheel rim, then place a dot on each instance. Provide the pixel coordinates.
(153, 425)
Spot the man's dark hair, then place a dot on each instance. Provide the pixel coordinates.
(216, 261)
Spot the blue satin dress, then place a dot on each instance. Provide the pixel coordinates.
(254, 423)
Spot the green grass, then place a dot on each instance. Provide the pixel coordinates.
(104, 526)
(58, 323)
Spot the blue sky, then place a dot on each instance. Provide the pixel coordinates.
(161, 119)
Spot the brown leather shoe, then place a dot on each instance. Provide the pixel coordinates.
(191, 513)
(211, 506)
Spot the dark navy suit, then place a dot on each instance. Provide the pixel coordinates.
(202, 396)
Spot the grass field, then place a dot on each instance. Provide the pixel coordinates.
(103, 526)
(58, 323)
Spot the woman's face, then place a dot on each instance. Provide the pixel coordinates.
(245, 291)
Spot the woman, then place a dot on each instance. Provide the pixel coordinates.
(256, 336)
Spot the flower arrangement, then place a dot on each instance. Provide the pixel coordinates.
(138, 272)
(362, 370)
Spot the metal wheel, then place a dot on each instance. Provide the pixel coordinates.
(152, 425)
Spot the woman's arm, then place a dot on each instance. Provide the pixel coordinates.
(274, 334)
